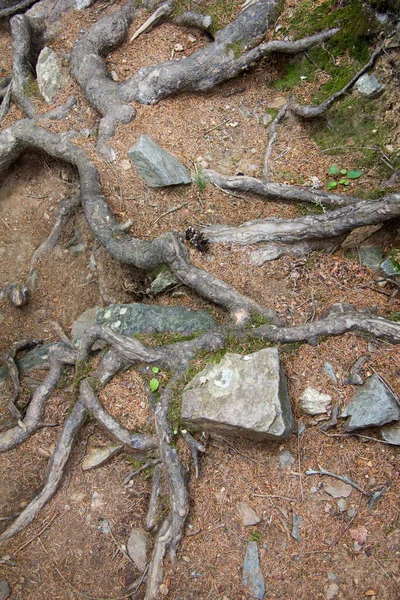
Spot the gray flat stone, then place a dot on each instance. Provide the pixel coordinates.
(296, 523)
(129, 319)
(373, 404)
(247, 514)
(155, 165)
(371, 256)
(137, 547)
(314, 402)
(391, 433)
(85, 320)
(286, 459)
(52, 76)
(98, 456)
(164, 281)
(252, 575)
(390, 267)
(240, 396)
(369, 86)
(338, 489)
(4, 590)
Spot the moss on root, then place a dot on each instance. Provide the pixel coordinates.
(221, 11)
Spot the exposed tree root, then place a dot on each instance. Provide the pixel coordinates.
(272, 137)
(310, 112)
(166, 249)
(66, 211)
(277, 191)
(339, 319)
(153, 512)
(164, 10)
(10, 361)
(54, 473)
(58, 356)
(23, 81)
(314, 228)
(10, 7)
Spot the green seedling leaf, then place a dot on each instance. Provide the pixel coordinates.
(154, 383)
(155, 369)
(331, 185)
(333, 170)
(344, 181)
(354, 174)
(343, 171)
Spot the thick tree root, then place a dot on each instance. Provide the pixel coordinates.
(313, 227)
(59, 355)
(90, 71)
(172, 529)
(66, 211)
(135, 441)
(55, 471)
(23, 80)
(339, 319)
(167, 249)
(277, 191)
(310, 112)
(153, 512)
(10, 361)
(10, 7)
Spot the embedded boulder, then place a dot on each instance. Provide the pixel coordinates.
(240, 396)
(129, 319)
(155, 165)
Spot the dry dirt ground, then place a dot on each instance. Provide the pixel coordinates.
(63, 554)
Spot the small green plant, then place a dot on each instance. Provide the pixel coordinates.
(256, 536)
(342, 176)
(154, 384)
(200, 179)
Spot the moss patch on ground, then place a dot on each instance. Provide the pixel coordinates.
(358, 28)
(221, 11)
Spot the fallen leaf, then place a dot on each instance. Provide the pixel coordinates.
(359, 534)
(370, 593)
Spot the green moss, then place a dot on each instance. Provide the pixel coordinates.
(257, 320)
(377, 193)
(82, 371)
(354, 126)
(31, 90)
(290, 349)
(309, 209)
(395, 317)
(163, 338)
(255, 536)
(236, 47)
(358, 27)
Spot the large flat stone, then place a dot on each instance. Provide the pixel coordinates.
(52, 76)
(129, 319)
(240, 396)
(155, 165)
(372, 405)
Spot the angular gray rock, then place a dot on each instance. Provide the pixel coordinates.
(137, 547)
(390, 267)
(4, 590)
(314, 402)
(155, 165)
(338, 489)
(369, 86)
(129, 319)
(85, 320)
(286, 459)
(240, 396)
(247, 514)
(296, 523)
(391, 433)
(252, 575)
(371, 256)
(52, 76)
(164, 281)
(373, 404)
(98, 456)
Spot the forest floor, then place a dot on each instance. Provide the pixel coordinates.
(63, 554)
